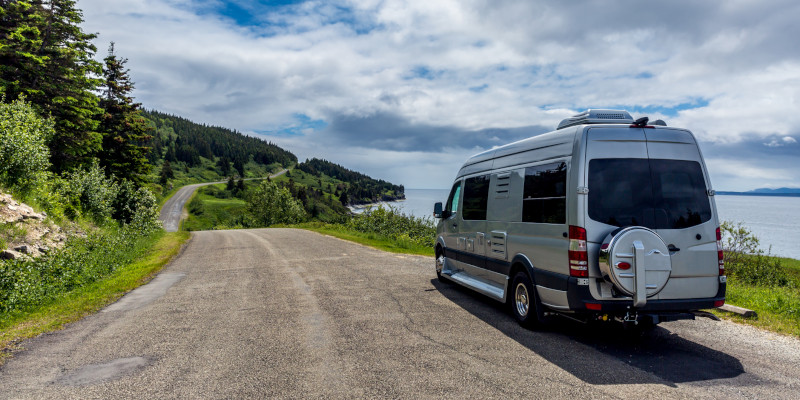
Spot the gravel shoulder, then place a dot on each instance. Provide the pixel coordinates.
(288, 313)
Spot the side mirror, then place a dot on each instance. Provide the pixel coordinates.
(437, 210)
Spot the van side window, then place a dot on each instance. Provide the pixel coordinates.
(476, 197)
(455, 196)
(545, 198)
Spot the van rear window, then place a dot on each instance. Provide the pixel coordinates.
(658, 194)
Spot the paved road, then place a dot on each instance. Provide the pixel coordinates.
(282, 313)
(172, 212)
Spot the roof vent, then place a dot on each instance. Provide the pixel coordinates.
(597, 117)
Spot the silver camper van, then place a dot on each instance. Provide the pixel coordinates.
(605, 218)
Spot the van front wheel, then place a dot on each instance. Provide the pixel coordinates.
(525, 303)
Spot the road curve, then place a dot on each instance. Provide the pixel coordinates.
(172, 212)
(283, 313)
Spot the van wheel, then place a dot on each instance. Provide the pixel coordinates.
(525, 304)
(439, 267)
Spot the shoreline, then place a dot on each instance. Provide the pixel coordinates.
(360, 208)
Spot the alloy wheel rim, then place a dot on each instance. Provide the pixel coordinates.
(521, 299)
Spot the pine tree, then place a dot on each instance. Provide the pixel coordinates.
(238, 165)
(125, 132)
(166, 173)
(46, 57)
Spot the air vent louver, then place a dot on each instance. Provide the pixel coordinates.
(598, 117)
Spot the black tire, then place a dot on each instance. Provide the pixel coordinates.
(524, 302)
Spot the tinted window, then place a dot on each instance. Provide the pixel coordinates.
(659, 194)
(476, 196)
(455, 196)
(544, 197)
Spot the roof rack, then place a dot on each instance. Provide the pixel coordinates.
(597, 117)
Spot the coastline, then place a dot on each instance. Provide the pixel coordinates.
(360, 208)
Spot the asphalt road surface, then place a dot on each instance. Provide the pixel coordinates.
(172, 212)
(283, 313)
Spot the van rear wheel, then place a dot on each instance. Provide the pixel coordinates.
(525, 304)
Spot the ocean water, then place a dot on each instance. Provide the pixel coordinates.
(774, 220)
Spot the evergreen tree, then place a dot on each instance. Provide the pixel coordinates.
(124, 130)
(46, 56)
(166, 173)
(238, 165)
(231, 184)
(224, 165)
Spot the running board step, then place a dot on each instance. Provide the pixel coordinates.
(478, 285)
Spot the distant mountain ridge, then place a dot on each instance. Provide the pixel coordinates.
(788, 192)
(776, 191)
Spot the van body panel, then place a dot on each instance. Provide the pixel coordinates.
(475, 168)
(505, 193)
(689, 288)
(543, 244)
(553, 298)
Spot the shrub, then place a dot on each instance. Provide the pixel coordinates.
(24, 155)
(92, 192)
(389, 222)
(268, 204)
(746, 262)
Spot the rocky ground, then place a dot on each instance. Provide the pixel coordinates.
(24, 232)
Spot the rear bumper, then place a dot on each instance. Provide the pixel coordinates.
(579, 296)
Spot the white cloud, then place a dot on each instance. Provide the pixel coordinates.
(535, 62)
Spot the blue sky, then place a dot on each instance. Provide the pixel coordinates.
(406, 90)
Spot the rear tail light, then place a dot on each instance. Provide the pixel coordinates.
(720, 256)
(578, 255)
(719, 303)
(594, 306)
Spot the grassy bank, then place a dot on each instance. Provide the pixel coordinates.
(151, 255)
(378, 241)
(207, 210)
(778, 308)
(777, 305)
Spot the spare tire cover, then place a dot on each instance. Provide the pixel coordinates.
(618, 248)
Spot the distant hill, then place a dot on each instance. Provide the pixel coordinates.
(198, 152)
(777, 191)
(789, 192)
(360, 188)
(178, 139)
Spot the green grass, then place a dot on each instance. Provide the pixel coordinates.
(792, 268)
(369, 239)
(206, 211)
(74, 305)
(207, 171)
(777, 308)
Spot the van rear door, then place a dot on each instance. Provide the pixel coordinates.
(684, 212)
(655, 178)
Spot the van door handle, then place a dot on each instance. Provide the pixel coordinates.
(673, 248)
(455, 225)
